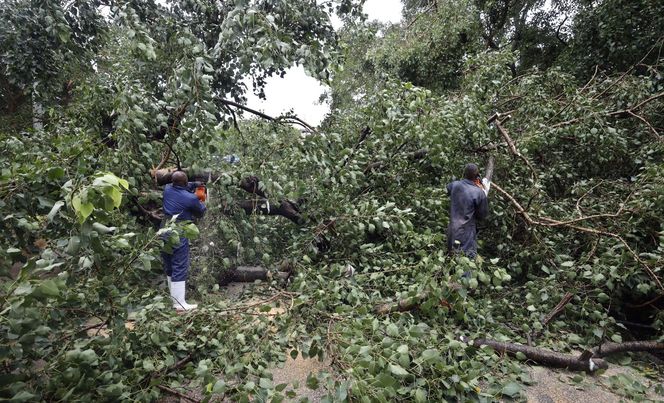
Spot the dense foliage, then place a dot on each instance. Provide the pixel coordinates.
(96, 95)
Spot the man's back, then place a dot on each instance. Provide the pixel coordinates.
(468, 203)
(179, 200)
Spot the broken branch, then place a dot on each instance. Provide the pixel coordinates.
(544, 357)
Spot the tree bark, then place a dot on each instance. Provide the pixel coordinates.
(403, 305)
(284, 208)
(544, 357)
(164, 176)
(615, 348)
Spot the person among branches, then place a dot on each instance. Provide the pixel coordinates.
(179, 200)
(469, 202)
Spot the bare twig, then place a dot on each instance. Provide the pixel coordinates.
(629, 70)
(649, 302)
(178, 394)
(622, 112)
(510, 142)
(284, 119)
(578, 202)
(558, 309)
(570, 103)
(410, 24)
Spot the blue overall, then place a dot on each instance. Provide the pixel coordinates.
(180, 200)
(468, 203)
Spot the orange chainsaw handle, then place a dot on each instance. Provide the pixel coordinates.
(201, 193)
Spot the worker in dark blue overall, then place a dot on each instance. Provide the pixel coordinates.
(180, 200)
(469, 203)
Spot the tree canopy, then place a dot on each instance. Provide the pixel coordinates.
(102, 99)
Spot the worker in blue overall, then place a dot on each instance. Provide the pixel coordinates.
(469, 202)
(180, 201)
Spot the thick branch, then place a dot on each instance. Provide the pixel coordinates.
(510, 143)
(544, 357)
(620, 113)
(615, 348)
(284, 208)
(251, 184)
(164, 176)
(488, 171)
(558, 309)
(285, 119)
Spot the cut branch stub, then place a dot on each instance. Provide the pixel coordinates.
(251, 184)
(284, 208)
(402, 305)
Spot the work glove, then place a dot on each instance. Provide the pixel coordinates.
(487, 185)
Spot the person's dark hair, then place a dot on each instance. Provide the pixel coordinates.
(471, 172)
(179, 178)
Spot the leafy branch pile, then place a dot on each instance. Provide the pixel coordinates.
(566, 100)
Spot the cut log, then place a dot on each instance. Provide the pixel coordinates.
(403, 305)
(165, 175)
(544, 357)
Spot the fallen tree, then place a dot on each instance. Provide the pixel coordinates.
(261, 204)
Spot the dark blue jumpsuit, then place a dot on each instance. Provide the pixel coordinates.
(468, 203)
(180, 200)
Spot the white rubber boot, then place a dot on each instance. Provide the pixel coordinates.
(177, 293)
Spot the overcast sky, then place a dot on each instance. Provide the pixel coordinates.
(299, 92)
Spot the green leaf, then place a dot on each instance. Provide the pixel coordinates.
(219, 386)
(73, 246)
(102, 229)
(48, 288)
(430, 355)
(114, 194)
(56, 207)
(24, 396)
(420, 395)
(84, 211)
(312, 382)
(265, 383)
(191, 231)
(512, 389)
(55, 173)
(397, 370)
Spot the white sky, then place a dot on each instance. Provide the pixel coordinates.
(299, 92)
